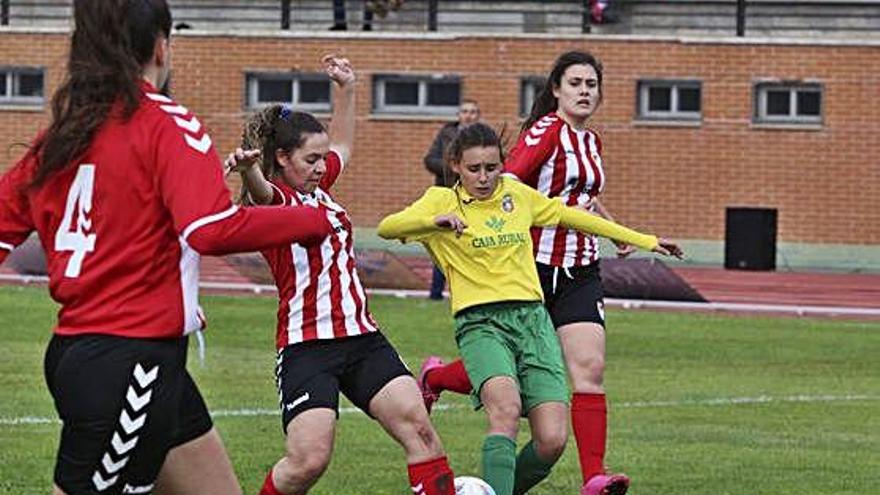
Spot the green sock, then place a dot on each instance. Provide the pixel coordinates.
(499, 462)
(530, 469)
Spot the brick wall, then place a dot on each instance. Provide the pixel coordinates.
(670, 179)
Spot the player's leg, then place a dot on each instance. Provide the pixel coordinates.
(545, 392)
(308, 449)
(579, 316)
(308, 384)
(536, 459)
(198, 466)
(119, 400)
(435, 376)
(499, 395)
(488, 351)
(380, 384)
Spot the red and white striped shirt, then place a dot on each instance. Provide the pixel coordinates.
(563, 163)
(320, 294)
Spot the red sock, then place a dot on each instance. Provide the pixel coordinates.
(450, 377)
(432, 477)
(589, 420)
(269, 486)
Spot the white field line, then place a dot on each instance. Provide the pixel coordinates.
(793, 309)
(719, 401)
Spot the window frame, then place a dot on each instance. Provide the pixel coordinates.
(13, 74)
(527, 85)
(643, 112)
(759, 102)
(253, 78)
(422, 107)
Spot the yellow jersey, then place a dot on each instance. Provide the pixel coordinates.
(492, 261)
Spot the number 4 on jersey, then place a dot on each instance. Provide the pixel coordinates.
(70, 237)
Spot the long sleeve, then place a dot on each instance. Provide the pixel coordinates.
(15, 219)
(587, 222)
(551, 211)
(258, 228)
(417, 220)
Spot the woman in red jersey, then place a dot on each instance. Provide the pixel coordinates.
(126, 191)
(326, 338)
(559, 155)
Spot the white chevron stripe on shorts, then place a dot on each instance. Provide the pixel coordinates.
(118, 455)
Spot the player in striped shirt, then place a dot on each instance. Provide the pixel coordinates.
(560, 156)
(326, 338)
(126, 191)
(478, 233)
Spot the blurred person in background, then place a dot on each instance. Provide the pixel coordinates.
(468, 113)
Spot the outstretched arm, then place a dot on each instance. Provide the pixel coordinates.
(593, 224)
(342, 121)
(422, 218)
(623, 250)
(254, 183)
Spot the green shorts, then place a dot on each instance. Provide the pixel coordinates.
(515, 339)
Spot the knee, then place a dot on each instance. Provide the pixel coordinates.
(504, 416)
(550, 445)
(306, 466)
(417, 432)
(587, 372)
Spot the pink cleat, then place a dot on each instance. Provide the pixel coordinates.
(606, 484)
(428, 395)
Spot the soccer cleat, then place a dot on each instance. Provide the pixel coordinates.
(606, 484)
(428, 395)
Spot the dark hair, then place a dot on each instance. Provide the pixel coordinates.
(476, 134)
(545, 102)
(277, 127)
(112, 41)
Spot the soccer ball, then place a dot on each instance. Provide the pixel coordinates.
(468, 485)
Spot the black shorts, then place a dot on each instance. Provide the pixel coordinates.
(311, 375)
(573, 295)
(124, 404)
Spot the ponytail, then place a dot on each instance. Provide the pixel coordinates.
(276, 127)
(112, 41)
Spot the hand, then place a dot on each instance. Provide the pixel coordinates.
(240, 160)
(668, 248)
(338, 69)
(624, 250)
(452, 222)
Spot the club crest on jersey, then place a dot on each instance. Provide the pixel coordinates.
(507, 203)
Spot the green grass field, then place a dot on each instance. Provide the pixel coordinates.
(700, 404)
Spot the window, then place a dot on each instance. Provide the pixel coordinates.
(669, 100)
(529, 89)
(306, 92)
(425, 95)
(21, 86)
(788, 103)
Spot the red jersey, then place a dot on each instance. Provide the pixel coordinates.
(563, 163)
(115, 225)
(320, 294)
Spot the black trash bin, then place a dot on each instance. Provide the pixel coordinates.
(750, 239)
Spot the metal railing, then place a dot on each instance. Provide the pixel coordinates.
(506, 16)
(416, 15)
